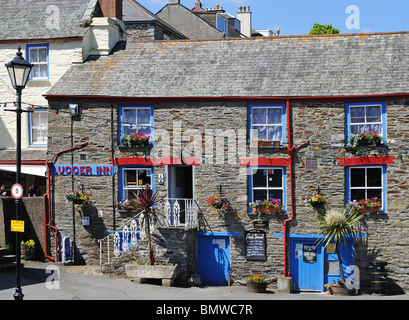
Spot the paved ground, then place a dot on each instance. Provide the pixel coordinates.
(48, 281)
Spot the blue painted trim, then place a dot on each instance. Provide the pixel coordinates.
(250, 186)
(260, 105)
(218, 234)
(29, 129)
(312, 236)
(121, 108)
(121, 177)
(348, 121)
(384, 180)
(28, 46)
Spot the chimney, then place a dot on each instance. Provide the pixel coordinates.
(244, 16)
(111, 8)
(198, 7)
(174, 1)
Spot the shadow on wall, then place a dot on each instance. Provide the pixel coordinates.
(6, 139)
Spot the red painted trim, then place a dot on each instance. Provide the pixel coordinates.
(158, 100)
(163, 161)
(359, 161)
(41, 40)
(281, 162)
(26, 162)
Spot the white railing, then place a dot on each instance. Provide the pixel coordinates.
(179, 212)
(175, 212)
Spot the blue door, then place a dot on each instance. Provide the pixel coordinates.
(307, 264)
(213, 259)
(312, 266)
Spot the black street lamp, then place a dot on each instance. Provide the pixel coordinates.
(19, 70)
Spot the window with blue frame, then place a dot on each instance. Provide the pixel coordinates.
(38, 127)
(268, 120)
(267, 183)
(136, 119)
(133, 180)
(38, 54)
(366, 182)
(222, 24)
(363, 117)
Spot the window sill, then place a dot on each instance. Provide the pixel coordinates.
(135, 147)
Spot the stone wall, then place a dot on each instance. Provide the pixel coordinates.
(322, 124)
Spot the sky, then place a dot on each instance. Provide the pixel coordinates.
(297, 17)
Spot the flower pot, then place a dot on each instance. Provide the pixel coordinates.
(27, 252)
(260, 287)
(78, 201)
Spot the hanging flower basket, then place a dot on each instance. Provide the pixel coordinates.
(217, 201)
(77, 197)
(315, 200)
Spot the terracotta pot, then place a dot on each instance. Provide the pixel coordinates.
(256, 287)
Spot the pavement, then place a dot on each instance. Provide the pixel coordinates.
(50, 281)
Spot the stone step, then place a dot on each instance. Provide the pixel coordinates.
(7, 258)
(3, 251)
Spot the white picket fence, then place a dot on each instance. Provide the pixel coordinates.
(175, 212)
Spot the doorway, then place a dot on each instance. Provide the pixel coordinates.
(213, 259)
(180, 187)
(312, 265)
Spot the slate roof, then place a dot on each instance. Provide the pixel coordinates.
(34, 19)
(133, 11)
(330, 65)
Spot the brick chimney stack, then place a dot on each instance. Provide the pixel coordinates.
(112, 8)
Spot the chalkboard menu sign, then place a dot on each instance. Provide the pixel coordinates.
(256, 245)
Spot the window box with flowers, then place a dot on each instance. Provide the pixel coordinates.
(77, 197)
(315, 200)
(265, 143)
(256, 283)
(135, 140)
(125, 205)
(217, 202)
(367, 139)
(372, 205)
(266, 206)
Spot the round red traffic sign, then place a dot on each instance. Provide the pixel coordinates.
(17, 191)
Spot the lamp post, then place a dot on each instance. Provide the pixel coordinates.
(19, 70)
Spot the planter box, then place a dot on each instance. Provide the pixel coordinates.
(266, 143)
(257, 287)
(370, 210)
(267, 210)
(141, 273)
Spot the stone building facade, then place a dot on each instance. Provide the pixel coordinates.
(189, 110)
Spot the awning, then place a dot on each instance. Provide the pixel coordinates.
(35, 170)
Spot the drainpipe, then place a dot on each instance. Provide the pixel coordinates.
(49, 164)
(290, 152)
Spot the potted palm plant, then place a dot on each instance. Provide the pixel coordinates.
(335, 226)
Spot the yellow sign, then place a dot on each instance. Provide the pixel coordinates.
(331, 247)
(17, 225)
(140, 182)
